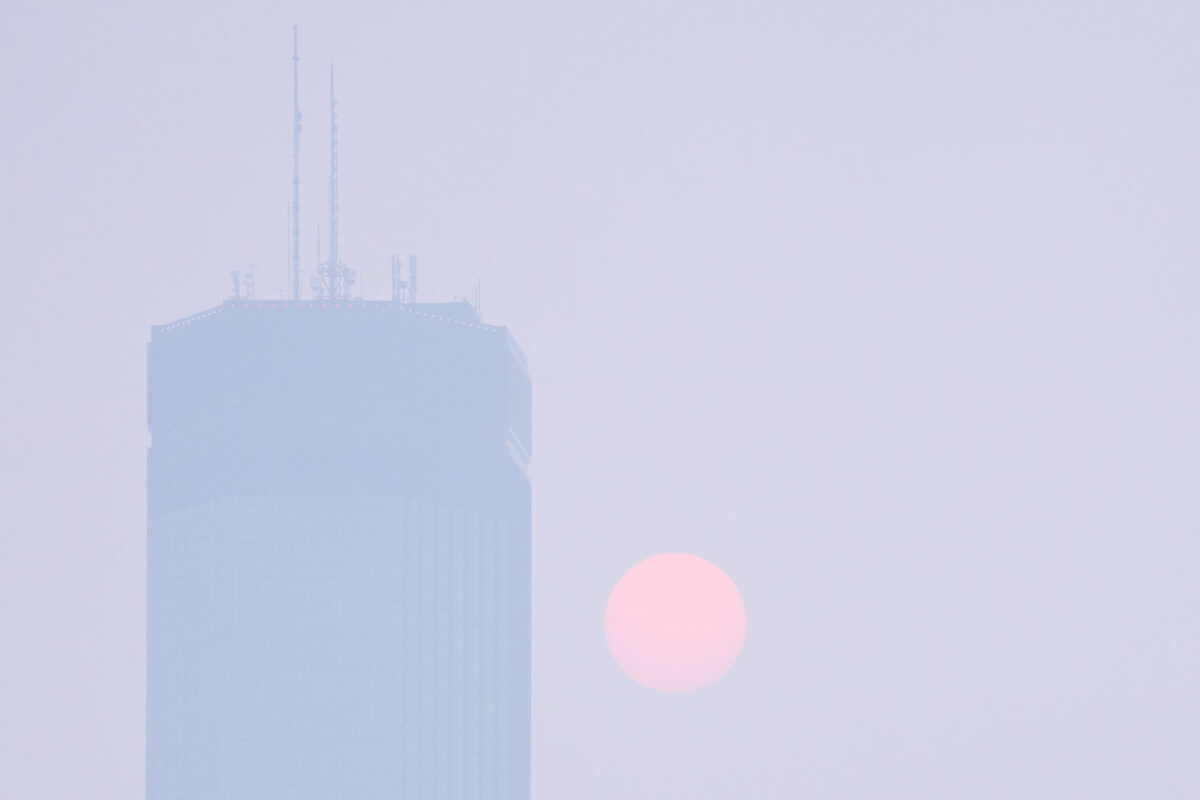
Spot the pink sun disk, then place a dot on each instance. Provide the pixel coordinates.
(675, 622)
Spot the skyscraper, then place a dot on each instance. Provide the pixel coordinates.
(338, 553)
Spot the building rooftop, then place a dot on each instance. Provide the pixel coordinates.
(457, 313)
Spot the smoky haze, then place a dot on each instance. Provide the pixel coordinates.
(889, 310)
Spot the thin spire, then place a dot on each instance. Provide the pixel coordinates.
(295, 164)
(335, 288)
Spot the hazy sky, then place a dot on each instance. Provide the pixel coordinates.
(891, 310)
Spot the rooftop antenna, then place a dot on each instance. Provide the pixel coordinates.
(404, 291)
(295, 164)
(314, 282)
(335, 278)
(399, 285)
(334, 268)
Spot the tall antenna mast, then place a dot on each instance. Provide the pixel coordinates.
(334, 273)
(295, 164)
(314, 282)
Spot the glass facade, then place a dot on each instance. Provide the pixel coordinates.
(338, 583)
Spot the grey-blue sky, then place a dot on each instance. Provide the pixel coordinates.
(889, 310)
